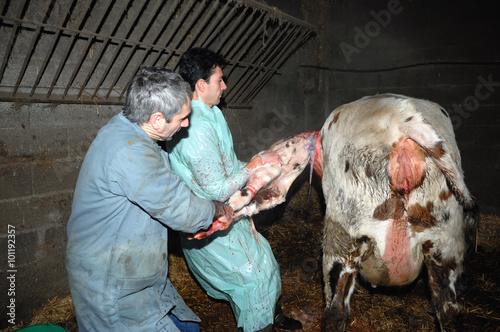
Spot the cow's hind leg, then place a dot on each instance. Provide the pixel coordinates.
(340, 266)
(443, 276)
(337, 310)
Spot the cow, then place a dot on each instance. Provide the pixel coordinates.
(395, 201)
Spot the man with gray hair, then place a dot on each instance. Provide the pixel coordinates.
(125, 198)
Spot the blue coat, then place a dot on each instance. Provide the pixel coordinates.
(117, 263)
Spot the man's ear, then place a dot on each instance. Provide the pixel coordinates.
(154, 119)
(200, 85)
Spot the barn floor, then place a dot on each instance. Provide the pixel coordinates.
(295, 238)
(296, 242)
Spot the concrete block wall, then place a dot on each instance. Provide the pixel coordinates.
(41, 149)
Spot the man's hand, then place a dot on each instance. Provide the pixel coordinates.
(223, 217)
(223, 213)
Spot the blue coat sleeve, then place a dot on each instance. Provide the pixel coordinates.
(141, 172)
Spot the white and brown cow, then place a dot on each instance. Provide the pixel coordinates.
(395, 201)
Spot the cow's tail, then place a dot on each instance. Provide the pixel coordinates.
(314, 146)
(440, 151)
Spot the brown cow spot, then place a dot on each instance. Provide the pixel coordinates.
(437, 151)
(336, 118)
(420, 218)
(444, 195)
(391, 208)
(264, 195)
(427, 246)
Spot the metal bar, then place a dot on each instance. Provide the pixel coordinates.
(10, 43)
(41, 99)
(215, 25)
(119, 48)
(169, 37)
(30, 50)
(213, 22)
(278, 14)
(241, 54)
(279, 61)
(68, 48)
(207, 17)
(105, 44)
(243, 83)
(265, 78)
(273, 56)
(228, 31)
(142, 33)
(235, 74)
(87, 47)
(244, 48)
(249, 33)
(88, 33)
(193, 20)
(237, 36)
(4, 3)
(276, 38)
(55, 40)
(130, 42)
(148, 51)
(243, 21)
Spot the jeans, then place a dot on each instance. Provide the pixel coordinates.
(185, 326)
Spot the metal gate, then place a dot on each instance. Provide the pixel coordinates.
(87, 51)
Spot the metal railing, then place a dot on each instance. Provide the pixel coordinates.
(74, 51)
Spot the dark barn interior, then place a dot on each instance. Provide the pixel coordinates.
(64, 67)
